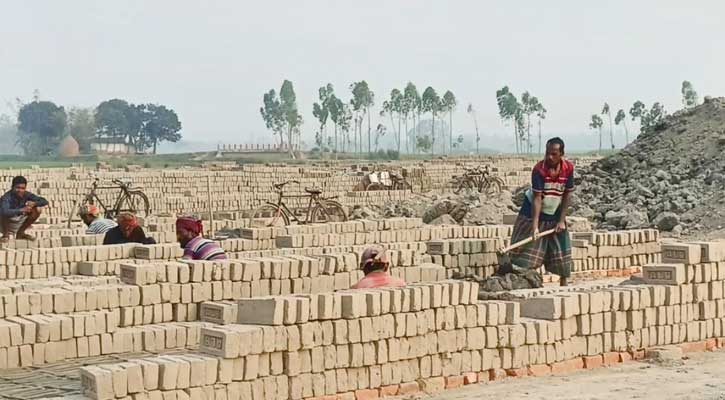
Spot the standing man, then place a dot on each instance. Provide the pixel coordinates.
(196, 247)
(19, 209)
(544, 208)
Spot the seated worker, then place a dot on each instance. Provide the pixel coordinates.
(188, 233)
(97, 225)
(127, 231)
(19, 209)
(375, 264)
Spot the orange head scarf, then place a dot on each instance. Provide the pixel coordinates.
(127, 222)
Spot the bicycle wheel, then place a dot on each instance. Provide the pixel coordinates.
(268, 215)
(463, 184)
(328, 211)
(375, 186)
(493, 185)
(135, 202)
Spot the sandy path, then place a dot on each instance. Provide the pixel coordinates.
(701, 376)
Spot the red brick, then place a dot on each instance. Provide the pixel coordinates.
(470, 378)
(565, 367)
(484, 376)
(517, 372)
(408, 388)
(432, 385)
(638, 355)
(539, 370)
(610, 358)
(328, 397)
(591, 362)
(624, 357)
(346, 396)
(711, 344)
(453, 382)
(496, 374)
(391, 390)
(693, 347)
(366, 394)
(720, 342)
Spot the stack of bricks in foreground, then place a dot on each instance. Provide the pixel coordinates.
(427, 337)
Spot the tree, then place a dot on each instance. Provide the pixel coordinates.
(321, 110)
(509, 109)
(117, 118)
(606, 111)
(394, 106)
(530, 105)
(541, 115)
(458, 142)
(424, 143)
(158, 124)
(651, 119)
(412, 102)
(362, 100)
(448, 105)
(271, 111)
(621, 117)
(82, 127)
(638, 108)
(472, 111)
(597, 124)
(292, 117)
(431, 102)
(380, 131)
(40, 126)
(689, 95)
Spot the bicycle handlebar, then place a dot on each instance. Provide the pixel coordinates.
(279, 186)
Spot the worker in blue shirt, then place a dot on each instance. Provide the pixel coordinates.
(19, 209)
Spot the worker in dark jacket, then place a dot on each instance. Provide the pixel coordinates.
(127, 231)
(19, 209)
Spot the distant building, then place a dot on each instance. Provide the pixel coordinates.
(110, 146)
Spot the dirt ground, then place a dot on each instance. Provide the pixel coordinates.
(698, 376)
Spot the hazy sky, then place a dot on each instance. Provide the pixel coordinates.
(212, 60)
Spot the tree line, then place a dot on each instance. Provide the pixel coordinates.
(346, 125)
(42, 125)
(648, 118)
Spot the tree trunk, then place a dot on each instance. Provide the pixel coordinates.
(433, 134)
(539, 135)
(417, 129)
(626, 133)
(407, 138)
(155, 146)
(611, 132)
(336, 142)
(600, 140)
(516, 137)
(400, 137)
(289, 143)
(450, 134)
(478, 137)
(368, 113)
(528, 134)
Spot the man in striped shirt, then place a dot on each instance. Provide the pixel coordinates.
(545, 206)
(188, 233)
(96, 224)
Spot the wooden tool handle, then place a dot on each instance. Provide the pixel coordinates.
(526, 241)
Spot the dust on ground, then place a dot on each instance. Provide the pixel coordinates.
(699, 376)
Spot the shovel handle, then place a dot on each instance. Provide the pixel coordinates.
(526, 241)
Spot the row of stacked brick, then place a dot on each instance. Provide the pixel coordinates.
(372, 342)
(608, 252)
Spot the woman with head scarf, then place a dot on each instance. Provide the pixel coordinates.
(188, 233)
(97, 225)
(127, 231)
(375, 265)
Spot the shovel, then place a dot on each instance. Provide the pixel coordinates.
(504, 261)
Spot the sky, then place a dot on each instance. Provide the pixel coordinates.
(211, 61)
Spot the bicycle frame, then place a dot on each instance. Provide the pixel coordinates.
(292, 216)
(93, 196)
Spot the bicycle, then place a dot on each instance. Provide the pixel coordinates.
(319, 209)
(480, 179)
(128, 200)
